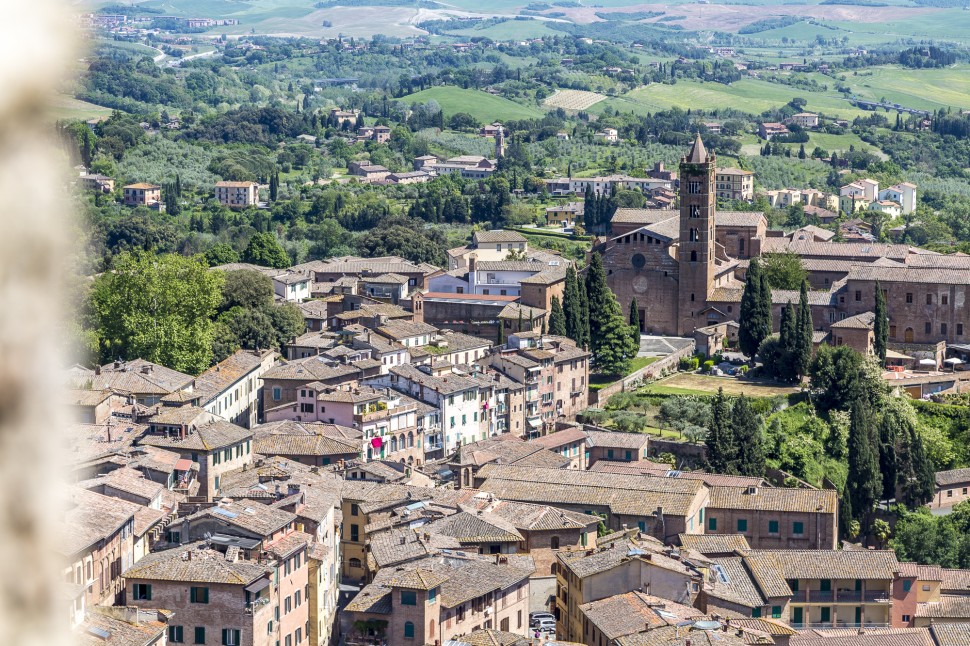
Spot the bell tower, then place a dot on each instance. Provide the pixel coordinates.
(696, 247)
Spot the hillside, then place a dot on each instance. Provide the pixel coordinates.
(481, 105)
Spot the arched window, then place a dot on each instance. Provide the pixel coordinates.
(554, 542)
(409, 630)
(693, 256)
(431, 629)
(410, 440)
(393, 444)
(693, 235)
(355, 563)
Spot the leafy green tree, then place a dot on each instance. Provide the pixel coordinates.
(755, 315)
(840, 376)
(265, 250)
(221, 254)
(783, 270)
(721, 442)
(557, 319)
(881, 324)
(804, 330)
(864, 479)
(158, 308)
(749, 438)
(288, 323)
(246, 288)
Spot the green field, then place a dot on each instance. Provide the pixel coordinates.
(510, 30)
(925, 89)
(483, 106)
(751, 95)
(67, 107)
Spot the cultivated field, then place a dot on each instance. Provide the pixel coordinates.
(573, 99)
(67, 107)
(483, 106)
(685, 383)
(750, 95)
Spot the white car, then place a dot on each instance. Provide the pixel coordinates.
(547, 626)
(536, 617)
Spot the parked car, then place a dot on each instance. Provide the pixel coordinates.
(536, 617)
(547, 626)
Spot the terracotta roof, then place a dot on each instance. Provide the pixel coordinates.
(475, 527)
(956, 634)
(952, 477)
(123, 626)
(715, 543)
(872, 637)
(774, 499)
(618, 440)
(820, 564)
(626, 614)
(92, 518)
(560, 438)
(204, 566)
(211, 436)
(677, 636)
(641, 216)
(862, 321)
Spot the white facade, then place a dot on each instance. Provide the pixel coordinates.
(903, 194)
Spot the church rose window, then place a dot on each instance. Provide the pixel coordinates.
(638, 261)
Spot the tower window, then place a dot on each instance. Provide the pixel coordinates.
(693, 235)
(693, 188)
(695, 211)
(691, 298)
(693, 256)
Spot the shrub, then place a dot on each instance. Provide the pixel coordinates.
(695, 363)
(743, 370)
(708, 365)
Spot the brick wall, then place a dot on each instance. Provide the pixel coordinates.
(655, 370)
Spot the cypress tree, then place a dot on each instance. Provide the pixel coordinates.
(274, 186)
(634, 315)
(916, 471)
(881, 324)
(583, 325)
(788, 342)
(865, 480)
(753, 326)
(500, 333)
(557, 319)
(801, 152)
(572, 306)
(721, 448)
(749, 437)
(599, 295)
(892, 424)
(804, 328)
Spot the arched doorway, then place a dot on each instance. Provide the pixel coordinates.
(908, 335)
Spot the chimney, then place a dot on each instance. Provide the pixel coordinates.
(97, 370)
(146, 370)
(472, 263)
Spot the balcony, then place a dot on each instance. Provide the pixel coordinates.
(842, 596)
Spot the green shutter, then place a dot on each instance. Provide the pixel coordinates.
(742, 525)
(200, 634)
(772, 526)
(798, 528)
(712, 524)
(776, 612)
(756, 612)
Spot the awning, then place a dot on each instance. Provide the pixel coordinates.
(953, 361)
(535, 423)
(892, 354)
(257, 585)
(927, 362)
(184, 464)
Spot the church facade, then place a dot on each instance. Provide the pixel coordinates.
(685, 268)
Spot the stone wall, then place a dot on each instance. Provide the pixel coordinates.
(657, 369)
